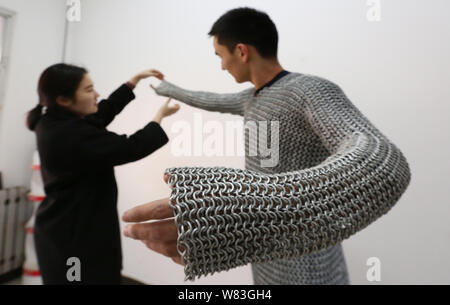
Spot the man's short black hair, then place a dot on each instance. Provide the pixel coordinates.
(249, 26)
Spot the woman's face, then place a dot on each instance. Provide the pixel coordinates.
(85, 98)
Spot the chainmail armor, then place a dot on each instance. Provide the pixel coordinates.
(337, 173)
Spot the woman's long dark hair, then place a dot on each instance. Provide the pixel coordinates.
(57, 80)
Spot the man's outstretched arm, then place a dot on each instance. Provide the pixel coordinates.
(226, 103)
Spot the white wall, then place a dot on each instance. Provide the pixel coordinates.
(36, 43)
(395, 70)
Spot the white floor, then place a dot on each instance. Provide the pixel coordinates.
(37, 281)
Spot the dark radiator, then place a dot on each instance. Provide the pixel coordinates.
(15, 211)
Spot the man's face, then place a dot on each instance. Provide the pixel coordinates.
(234, 63)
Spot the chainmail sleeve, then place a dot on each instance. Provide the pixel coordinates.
(225, 103)
(231, 217)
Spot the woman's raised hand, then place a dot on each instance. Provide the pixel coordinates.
(152, 72)
(146, 74)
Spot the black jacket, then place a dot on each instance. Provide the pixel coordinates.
(78, 217)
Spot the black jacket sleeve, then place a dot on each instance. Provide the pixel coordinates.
(109, 108)
(99, 148)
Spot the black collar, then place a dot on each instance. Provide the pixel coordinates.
(60, 112)
(277, 77)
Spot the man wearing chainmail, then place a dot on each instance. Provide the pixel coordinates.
(337, 173)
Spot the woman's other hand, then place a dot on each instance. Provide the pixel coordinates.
(165, 111)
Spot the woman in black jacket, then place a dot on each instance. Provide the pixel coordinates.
(77, 224)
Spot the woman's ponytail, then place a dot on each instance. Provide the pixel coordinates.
(33, 117)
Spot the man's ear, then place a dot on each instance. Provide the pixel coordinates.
(242, 51)
(63, 101)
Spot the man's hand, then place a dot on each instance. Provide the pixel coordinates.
(146, 74)
(159, 236)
